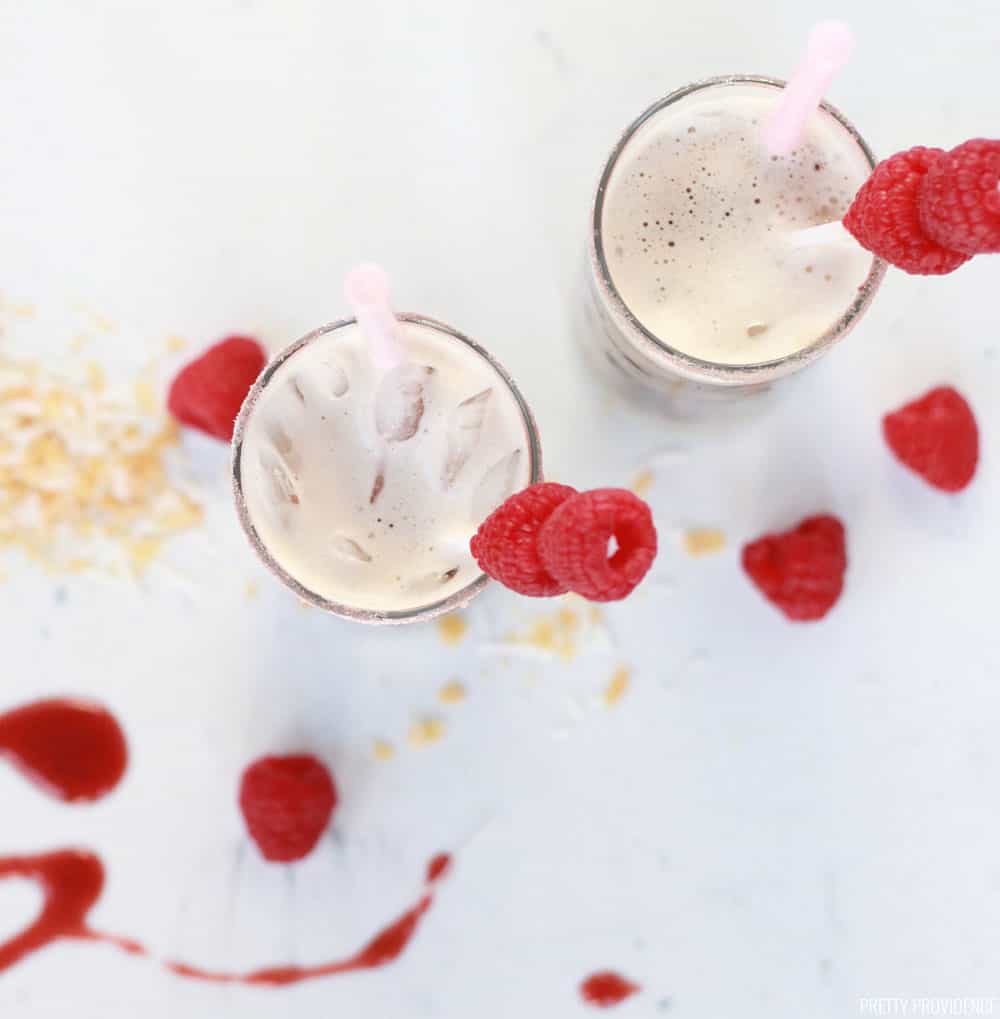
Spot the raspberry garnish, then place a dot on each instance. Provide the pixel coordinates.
(960, 198)
(884, 216)
(937, 437)
(505, 546)
(287, 803)
(208, 392)
(802, 570)
(574, 543)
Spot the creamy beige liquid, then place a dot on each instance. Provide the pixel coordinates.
(698, 225)
(366, 488)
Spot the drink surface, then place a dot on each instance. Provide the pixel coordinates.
(698, 221)
(365, 486)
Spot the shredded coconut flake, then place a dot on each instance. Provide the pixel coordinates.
(83, 475)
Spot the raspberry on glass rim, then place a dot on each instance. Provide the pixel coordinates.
(549, 539)
(506, 544)
(928, 211)
(960, 198)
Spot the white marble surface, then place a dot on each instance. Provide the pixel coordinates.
(775, 820)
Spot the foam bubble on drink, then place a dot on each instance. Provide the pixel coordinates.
(366, 487)
(697, 221)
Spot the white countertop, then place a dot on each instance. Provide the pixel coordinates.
(775, 820)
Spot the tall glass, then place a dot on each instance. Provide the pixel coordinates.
(684, 374)
(372, 529)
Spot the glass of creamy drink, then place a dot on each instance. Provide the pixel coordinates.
(360, 488)
(699, 287)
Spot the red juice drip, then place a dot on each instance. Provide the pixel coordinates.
(606, 989)
(384, 948)
(71, 881)
(438, 867)
(73, 750)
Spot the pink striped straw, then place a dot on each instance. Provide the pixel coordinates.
(830, 46)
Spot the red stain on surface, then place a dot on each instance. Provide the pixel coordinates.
(384, 948)
(607, 988)
(74, 750)
(71, 881)
(438, 867)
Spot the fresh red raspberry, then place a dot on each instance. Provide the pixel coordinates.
(802, 570)
(505, 546)
(574, 543)
(884, 216)
(207, 393)
(287, 803)
(960, 198)
(937, 437)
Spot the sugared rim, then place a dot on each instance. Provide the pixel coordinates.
(459, 599)
(720, 372)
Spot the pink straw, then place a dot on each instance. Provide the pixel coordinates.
(366, 288)
(830, 46)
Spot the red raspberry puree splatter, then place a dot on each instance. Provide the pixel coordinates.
(76, 751)
(606, 989)
(72, 749)
(71, 881)
(384, 948)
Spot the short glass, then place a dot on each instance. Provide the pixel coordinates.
(457, 599)
(681, 384)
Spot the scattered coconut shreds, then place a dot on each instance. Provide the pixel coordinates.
(617, 686)
(426, 731)
(702, 541)
(383, 751)
(452, 628)
(83, 473)
(453, 692)
(556, 634)
(642, 483)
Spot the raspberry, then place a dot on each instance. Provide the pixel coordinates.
(573, 543)
(802, 570)
(287, 803)
(937, 437)
(208, 392)
(884, 216)
(505, 544)
(960, 200)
